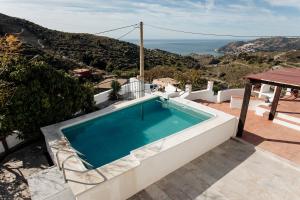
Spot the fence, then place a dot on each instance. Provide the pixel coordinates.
(132, 90)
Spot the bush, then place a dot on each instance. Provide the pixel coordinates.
(34, 94)
(116, 87)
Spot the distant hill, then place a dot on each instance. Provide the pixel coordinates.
(262, 44)
(87, 49)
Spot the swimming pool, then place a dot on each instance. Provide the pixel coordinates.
(145, 139)
(110, 137)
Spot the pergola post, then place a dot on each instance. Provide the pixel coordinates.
(244, 109)
(275, 103)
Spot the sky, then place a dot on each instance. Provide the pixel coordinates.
(238, 17)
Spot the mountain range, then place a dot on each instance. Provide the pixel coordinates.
(84, 49)
(262, 44)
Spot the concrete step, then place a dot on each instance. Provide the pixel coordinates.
(289, 117)
(287, 123)
(280, 118)
(49, 185)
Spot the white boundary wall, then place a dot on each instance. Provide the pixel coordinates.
(102, 97)
(202, 94)
(236, 102)
(12, 141)
(225, 95)
(208, 94)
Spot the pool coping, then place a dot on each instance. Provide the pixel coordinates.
(55, 140)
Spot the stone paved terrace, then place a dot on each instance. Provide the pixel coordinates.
(272, 137)
(234, 170)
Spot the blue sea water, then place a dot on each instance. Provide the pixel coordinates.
(110, 137)
(186, 46)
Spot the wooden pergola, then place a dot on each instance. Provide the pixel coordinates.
(282, 78)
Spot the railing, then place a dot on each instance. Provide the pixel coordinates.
(77, 171)
(133, 90)
(74, 155)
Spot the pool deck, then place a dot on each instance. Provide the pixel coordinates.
(265, 134)
(233, 170)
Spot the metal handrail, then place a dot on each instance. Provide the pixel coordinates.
(65, 150)
(76, 156)
(63, 168)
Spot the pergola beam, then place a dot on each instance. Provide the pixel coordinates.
(243, 114)
(282, 85)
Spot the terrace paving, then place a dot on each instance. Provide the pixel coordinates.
(233, 170)
(262, 132)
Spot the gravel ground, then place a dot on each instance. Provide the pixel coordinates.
(17, 167)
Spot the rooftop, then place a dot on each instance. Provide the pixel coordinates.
(106, 84)
(82, 70)
(286, 76)
(165, 81)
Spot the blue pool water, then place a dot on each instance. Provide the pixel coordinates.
(112, 136)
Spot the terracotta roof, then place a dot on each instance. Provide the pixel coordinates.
(284, 76)
(165, 81)
(106, 84)
(82, 70)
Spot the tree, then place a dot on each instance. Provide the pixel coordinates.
(33, 94)
(116, 87)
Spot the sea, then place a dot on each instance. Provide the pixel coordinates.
(186, 46)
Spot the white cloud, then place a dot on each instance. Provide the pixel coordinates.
(290, 3)
(242, 18)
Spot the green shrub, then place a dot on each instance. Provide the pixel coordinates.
(116, 87)
(34, 94)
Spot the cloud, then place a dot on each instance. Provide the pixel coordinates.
(285, 3)
(240, 17)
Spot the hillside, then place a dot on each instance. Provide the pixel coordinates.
(262, 44)
(86, 49)
(67, 51)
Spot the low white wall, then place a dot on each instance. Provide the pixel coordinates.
(102, 97)
(12, 141)
(155, 167)
(207, 95)
(225, 95)
(237, 102)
